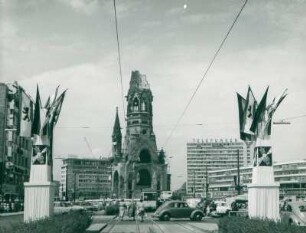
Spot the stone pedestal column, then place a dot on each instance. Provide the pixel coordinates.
(38, 200)
(263, 194)
(39, 194)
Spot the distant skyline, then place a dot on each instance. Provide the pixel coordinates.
(72, 43)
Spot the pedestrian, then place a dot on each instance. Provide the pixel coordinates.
(122, 208)
(141, 210)
(132, 209)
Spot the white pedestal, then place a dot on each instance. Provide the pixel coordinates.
(263, 194)
(38, 200)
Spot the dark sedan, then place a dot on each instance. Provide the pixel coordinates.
(178, 209)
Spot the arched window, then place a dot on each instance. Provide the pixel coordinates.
(135, 104)
(143, 178)
(143, 107)
(145, 156)
(116, 183)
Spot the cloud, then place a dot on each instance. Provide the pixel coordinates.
(87, 7)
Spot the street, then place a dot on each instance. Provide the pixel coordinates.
(149, 225)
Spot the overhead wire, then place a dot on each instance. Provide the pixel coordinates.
(205, 73)
(119, 58)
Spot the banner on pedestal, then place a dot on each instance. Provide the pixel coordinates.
(263, 156)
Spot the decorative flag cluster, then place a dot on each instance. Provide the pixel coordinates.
(45, 118)
(256, 120)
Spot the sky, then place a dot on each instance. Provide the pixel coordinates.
(72, 43)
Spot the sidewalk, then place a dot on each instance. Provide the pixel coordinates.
(99, 222)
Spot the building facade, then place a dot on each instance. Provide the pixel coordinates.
(290, 175)
(15, 150)
(207, 155)
(85, 178)
(138, 166)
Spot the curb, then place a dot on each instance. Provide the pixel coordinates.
(11, 214)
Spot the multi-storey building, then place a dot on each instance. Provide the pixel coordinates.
(15, 145)
(206, 155)
(290, 175)
(85, 178)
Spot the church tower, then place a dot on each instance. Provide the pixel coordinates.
(117, 138)
(139, 167)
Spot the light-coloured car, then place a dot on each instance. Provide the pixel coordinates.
(220, 208)
(177, 209)
(294, 213)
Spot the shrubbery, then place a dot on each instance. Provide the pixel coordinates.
(72, 222)
(112, 210)
(245, 225)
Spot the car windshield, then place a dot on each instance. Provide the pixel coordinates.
(302, 208)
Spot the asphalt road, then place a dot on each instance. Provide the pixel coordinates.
(151, 226)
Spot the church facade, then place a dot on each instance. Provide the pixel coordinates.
(138, 166)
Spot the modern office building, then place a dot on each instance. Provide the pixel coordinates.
(85, 178)
(290, 175)
(210, 155)
(15, 143)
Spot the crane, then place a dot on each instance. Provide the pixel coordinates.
(88, 145)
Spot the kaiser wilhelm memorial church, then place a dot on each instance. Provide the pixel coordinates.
(137, 164)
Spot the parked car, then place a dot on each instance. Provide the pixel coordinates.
(294, 213)
(178, 209)
(220, 208)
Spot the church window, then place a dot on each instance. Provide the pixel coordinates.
(143, 106)
(143, 178)
(135, 105)
(145, 156)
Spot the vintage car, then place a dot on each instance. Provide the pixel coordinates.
(294, 213)
(219, 208)
(177, 209)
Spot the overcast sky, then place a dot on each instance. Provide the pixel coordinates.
(72, 43)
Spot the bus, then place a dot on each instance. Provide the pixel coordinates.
(149, 200)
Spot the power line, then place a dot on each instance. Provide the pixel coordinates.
(294, 117)
(206, 71)
(119, 58)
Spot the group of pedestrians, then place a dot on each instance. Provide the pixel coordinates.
(132, 209)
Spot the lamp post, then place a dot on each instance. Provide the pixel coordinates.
(194, 184)
(238, 173)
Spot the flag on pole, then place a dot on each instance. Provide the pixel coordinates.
(260, 119)
(53, 112)
(272, 108)
(36, 119)
(241, 108)
(249, 112)
(26, 117)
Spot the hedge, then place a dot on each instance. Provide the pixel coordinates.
(112, 210)
(72, 222)
(246, 225)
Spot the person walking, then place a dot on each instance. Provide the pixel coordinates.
(141, 210)
(132, 210)
(122, 208)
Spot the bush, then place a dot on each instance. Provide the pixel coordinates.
(112, 210)
(245, 225)
(72, 222)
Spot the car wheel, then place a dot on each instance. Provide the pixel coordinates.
(198, 217)
(165, 217)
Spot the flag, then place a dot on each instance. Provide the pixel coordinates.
(249, 115)
(36, 120)
(260, 118)
(241, 108)
(272, 108)
(52, 114)
(26, 115)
